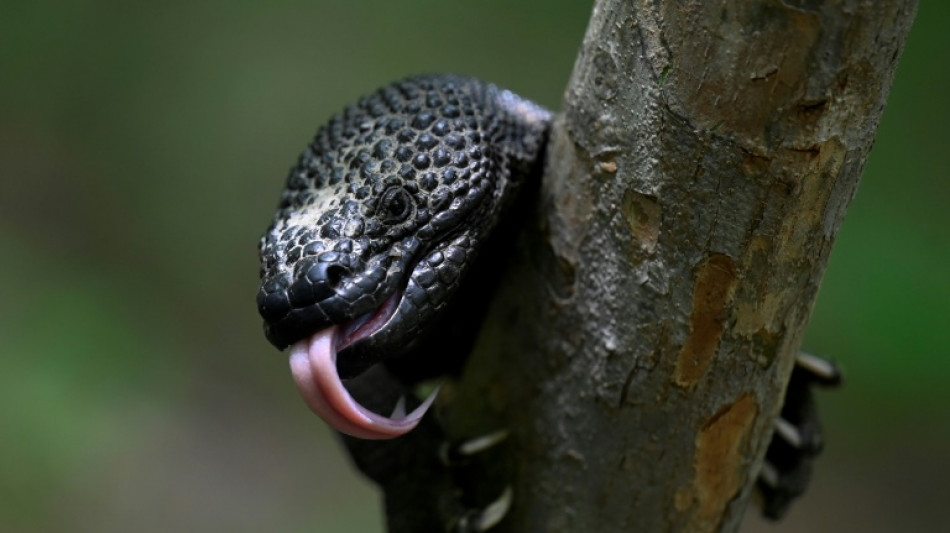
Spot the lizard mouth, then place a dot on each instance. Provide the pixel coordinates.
(314, 368)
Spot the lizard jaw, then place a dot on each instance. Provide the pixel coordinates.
(313, 365)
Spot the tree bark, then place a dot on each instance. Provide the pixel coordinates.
(640, 345)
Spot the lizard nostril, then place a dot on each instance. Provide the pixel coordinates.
(320, 282)
(335, 275)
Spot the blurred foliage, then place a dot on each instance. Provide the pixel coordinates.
(142, 148)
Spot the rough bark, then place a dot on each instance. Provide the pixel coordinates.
(639, 348)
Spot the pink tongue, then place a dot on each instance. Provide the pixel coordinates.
(313, 364)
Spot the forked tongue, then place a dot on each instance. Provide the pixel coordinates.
(313, 364)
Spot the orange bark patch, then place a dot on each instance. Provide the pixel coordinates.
(799, 238)
(715, 281)
(719, 461)
(642, 213)
(607, 167)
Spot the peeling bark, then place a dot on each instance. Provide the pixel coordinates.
(641, 343)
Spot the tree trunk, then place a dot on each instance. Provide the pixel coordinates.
(640, 345)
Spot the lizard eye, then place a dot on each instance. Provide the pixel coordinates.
(395, 205)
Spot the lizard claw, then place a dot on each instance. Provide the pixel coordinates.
(821, 371)
(477, 521)
(458, 452)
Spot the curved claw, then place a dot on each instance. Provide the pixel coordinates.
(769, 475)
(487, 518)
(821, 370)
(808, 442)
(456, 453)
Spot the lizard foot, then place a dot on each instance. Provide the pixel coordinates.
(797, 440)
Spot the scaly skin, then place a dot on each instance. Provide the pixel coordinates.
(385, 214)
(394, 194)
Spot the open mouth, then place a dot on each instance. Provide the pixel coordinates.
(313, 365)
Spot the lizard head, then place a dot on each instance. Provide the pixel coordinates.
(375, 229)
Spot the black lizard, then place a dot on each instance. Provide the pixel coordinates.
(395, 203)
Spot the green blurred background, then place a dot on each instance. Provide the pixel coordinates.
(142, 149)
